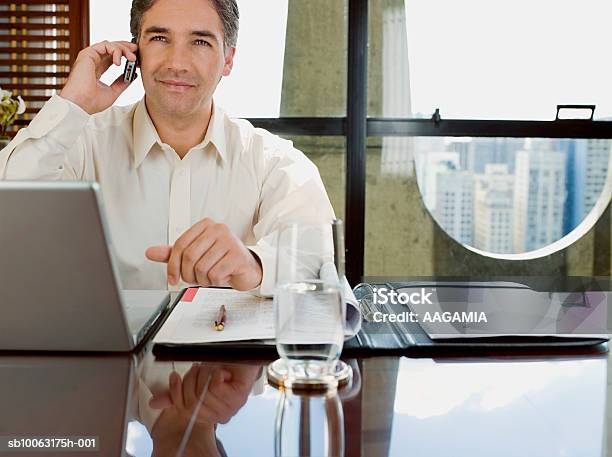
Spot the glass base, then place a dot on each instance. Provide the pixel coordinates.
(278, 376)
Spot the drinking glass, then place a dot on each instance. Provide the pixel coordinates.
(309, 308)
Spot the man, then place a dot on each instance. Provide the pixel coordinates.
(180, 180)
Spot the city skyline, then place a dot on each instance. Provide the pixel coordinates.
(509, 195)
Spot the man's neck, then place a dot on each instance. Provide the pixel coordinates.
(181, 133)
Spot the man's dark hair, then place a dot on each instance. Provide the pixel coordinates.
(226, 9)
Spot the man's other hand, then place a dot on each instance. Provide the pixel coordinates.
(84, 86)
(209, 254)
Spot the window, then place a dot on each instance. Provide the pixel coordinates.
(560, 172)
(39, 40)
(494, 94)
(477, 59)
(491, 107)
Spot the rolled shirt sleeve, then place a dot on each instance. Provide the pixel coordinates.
(292, 192)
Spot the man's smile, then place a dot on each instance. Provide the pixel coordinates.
(176, 85)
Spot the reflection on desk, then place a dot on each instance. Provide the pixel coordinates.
(501, 408)
(396, 407)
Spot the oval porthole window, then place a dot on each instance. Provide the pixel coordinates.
(512, 195)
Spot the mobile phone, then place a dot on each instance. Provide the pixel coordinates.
(129, 72)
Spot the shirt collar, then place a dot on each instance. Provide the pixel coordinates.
(216, 131)
(145, 135)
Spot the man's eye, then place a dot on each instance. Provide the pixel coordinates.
(202, 43)
(158, 38)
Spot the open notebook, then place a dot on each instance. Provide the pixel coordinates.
(250, 318)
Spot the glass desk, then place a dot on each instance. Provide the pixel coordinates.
(395, 406)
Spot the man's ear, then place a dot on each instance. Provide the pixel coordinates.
(229, 61)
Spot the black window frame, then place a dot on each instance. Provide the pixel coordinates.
(356, 127)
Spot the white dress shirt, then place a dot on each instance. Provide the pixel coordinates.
(245, 177)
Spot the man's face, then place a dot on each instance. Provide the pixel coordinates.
(181, 56)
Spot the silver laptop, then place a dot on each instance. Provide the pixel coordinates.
(59, 287)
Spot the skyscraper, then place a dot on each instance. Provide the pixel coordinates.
(455, 203)
(429, 163)
(483, 151)
(539, 196)
(588, 176)
(493, 209)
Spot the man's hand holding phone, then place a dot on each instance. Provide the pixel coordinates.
(84, 86)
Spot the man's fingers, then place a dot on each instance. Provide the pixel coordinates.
(225, 270)
(119, 85)
(216, 268)
(176, 257)
(204, 372)
(127, 44)
(196, 252)
(108, 47)
(117, 56)
(175, 390)
(106, 53)
(189, 386)
(114, 50)
(159, 253)
(214, 403)
(104, 50)
(128, 50)
(161, 401)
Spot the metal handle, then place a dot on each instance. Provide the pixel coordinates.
(589, 107)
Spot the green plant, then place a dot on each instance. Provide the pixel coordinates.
(9, 109)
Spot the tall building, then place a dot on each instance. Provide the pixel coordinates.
(493, 195)
(571, 186)
(587, 171)
(483, 151)
(429, 164)
(539, 196)
(462, 146)
(455, 203)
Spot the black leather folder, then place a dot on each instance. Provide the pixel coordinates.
(411, 339)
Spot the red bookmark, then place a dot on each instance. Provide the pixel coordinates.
(189, 294)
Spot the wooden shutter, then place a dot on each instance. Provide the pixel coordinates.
(39, 41)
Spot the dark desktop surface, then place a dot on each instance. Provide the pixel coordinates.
(502, 405)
